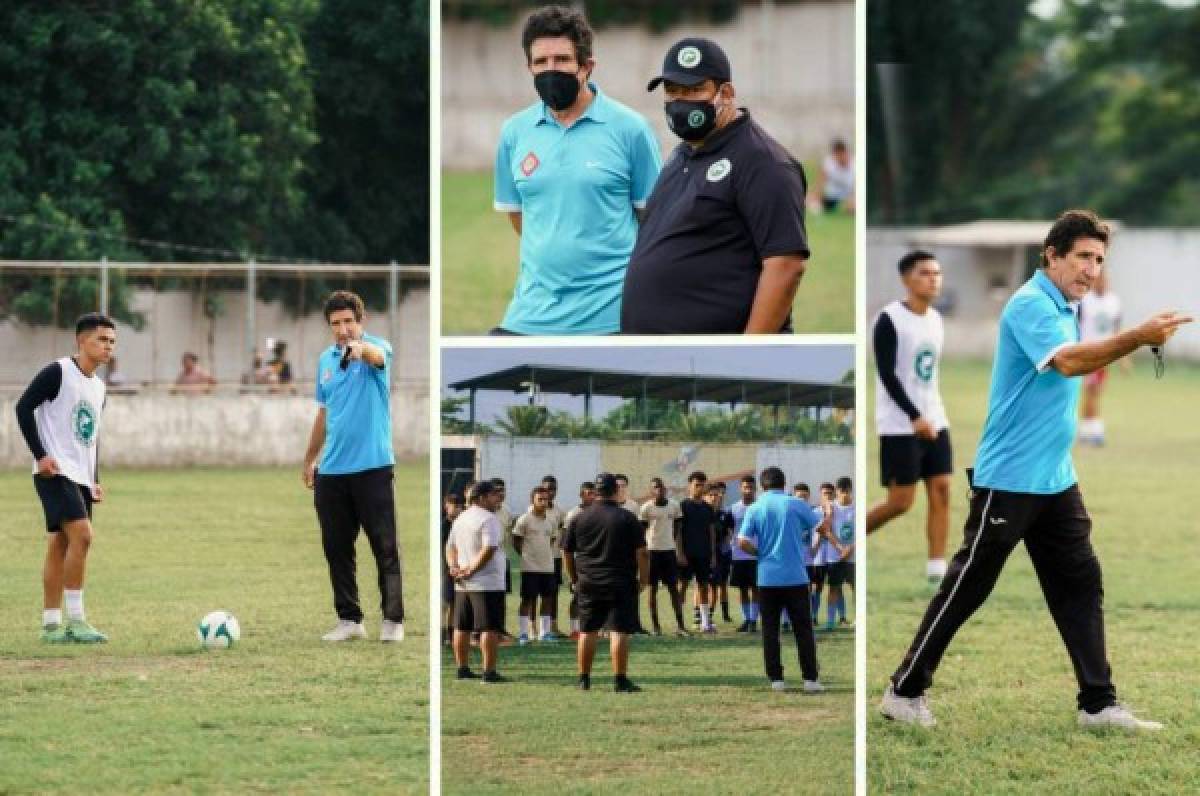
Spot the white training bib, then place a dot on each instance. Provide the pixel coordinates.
(69, 425)
(1099, 316)
(919, 341)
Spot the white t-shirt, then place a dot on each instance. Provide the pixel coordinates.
(839, 179)
(473, 530)
(660, 528)
(919, 341)
(1099, 316)
(540, 538)
(842, 526)
(69, 425)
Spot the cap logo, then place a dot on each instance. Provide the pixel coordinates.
(689, 57)
(719, 170)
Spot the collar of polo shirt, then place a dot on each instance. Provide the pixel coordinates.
(596, 111)
(1051, 290)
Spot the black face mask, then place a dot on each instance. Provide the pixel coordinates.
(691, 120)
(557, 89)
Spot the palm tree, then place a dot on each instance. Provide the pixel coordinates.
(524, 421)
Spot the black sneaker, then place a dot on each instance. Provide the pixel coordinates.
(493, 677)
(623, 685)
(753, 626)
(744, 627)
(585, 682)
(465, 673)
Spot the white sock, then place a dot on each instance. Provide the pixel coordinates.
(74, 601)
(547, 624)
(51, 616)
(526, 625)
(704, 621)
(935, 568)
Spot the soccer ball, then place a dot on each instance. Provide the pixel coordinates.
(218, 630)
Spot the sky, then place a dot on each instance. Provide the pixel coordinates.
(812, 363)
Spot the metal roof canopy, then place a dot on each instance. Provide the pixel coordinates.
(671, 387)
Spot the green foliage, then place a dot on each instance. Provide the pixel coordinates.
(451, 423)
(657, 15)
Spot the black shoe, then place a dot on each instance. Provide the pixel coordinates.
(744, 627)
(465, 673)
(726, 618)
(493, 677)
(585, 682)
(752, 626)
(623, 685)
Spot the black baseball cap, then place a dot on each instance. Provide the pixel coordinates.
(691, 61)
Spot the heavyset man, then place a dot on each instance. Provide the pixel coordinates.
(476, 561)
(1024, 485)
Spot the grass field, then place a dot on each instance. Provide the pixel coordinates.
(149, 711)
(706, 722)
(1005, 693)
(479, 263)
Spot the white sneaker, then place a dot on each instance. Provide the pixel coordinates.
(1117, 716)
(345, 631)
(813, 687)
(778, 685)
(391, 631)
(910, 710)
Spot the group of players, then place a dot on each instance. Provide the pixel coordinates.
(693, 539)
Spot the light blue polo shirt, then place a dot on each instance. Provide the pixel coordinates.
(576, 189)
(358, 417)
(781, 527)
(1032, 408)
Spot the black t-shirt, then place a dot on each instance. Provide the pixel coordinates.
(714, 215)
(604, 539)
(698, 520)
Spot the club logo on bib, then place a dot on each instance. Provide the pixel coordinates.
(529, 164)
(719, 170)
(845, 532)
(83, 423)
(689, 57)
(924, 361)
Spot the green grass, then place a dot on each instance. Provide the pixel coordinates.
(479, 263)
(1005, 693)
(706, 722)
(150, 711)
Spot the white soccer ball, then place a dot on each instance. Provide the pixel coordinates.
(218, 630)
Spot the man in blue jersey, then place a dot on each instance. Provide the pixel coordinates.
(352, 435)
(1024, 485)
(572, 171)
(776, 528)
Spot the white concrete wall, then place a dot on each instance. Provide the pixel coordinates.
(156, 430)
(810, 463)
(523, 462)
(1151, 269)
(793, 67)
(175, 323)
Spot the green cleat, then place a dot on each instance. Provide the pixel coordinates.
(54, 634)
(80, 632)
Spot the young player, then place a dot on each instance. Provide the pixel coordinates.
(841, 572)
(914, 434)
(534, 539)
(828, 553)
(816, 572)
(1099, 317)
(557, 515)
(452, 505)
(59, 416)
(723, 527)
(744, 574)
(587, 496)
(506, 519)
(633, 507)
(661, 517)
(696, 545)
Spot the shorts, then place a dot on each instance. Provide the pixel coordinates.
(841, 572)
(664, 568)
(479, 611)
(616, 609)
(724, 565)
(904, 459)
(538, 584)
(1096, 378)
(697, 567)
(744, 574)
(816, 575)
(63, 500)
(447, 589)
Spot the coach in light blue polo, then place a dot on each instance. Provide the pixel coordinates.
(571, 172)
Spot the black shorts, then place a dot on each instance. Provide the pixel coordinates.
(841, 572)
(724, 566)
(447, 589)
(479, 611)
(816, 575)
(538, 584)
(616, 609)
(63, 500)
(697, 567)
(744, 574)
(664, 567)
(904, 459)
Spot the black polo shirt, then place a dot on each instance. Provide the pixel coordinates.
(604, 539)
(715, 214)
